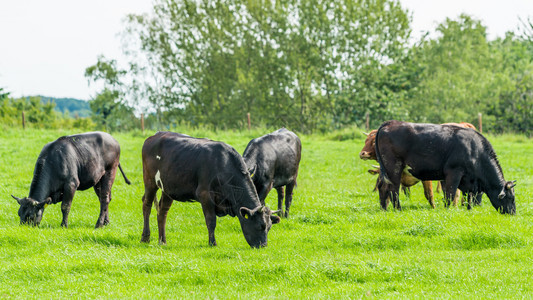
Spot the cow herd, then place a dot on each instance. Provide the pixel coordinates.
(214, 174)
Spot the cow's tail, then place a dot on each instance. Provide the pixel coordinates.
(124, 175)
(382, 170)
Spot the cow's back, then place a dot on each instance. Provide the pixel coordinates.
(179, 164)
(86, 149)
(275, 156)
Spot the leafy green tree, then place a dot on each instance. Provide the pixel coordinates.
(454, 73)
(513, 110)
(108, 108)
(303, 64)
(3, 94)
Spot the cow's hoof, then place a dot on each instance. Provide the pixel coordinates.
(145, 239)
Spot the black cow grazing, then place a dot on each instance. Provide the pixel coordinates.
(212, 173)
(70, 163)
(462, 157)
(273, 161)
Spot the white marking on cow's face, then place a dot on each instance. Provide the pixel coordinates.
(158, 157)
(158, 181)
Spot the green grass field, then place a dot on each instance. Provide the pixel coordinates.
(337, 243)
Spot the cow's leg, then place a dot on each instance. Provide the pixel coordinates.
(406, 191)
(281, 195)
(477, 198)
(469, 196)
(384, 195)
(288, 197)
(103, 191)
(69, 190)
(458, 194)
(395, 195)
(450, 187)
(394, 189)
(439, 187)
(164, 206)
(389, 193)
(150, 192)
(428, 192)
(208, 208)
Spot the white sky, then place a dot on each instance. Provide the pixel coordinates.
(45, 45)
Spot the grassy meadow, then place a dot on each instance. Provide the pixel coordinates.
(337, 243)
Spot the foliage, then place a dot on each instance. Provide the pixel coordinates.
(74, 107)
(3, 94)
(109, 110)
(302, 64)
(38, 114)
(336, 244)
(322, 65)
(455, 71)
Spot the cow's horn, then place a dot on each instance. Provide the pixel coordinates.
(18, 199)
(365, 133)
(510, 184)
(375, 166)
(277, 211)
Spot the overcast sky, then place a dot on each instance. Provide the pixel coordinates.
(45, 46)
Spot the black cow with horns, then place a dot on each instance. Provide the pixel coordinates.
(210, 172)
(462, 157)
(273, 161)
(70, 163)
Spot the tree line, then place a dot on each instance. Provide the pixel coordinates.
(314, 65)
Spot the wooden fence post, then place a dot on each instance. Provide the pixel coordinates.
(23, 120)
(249, 122)
(367, 122)
(480, 122)
(142, 122)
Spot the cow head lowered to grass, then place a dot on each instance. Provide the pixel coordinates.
(71, 163)
(210, 172)
(31, 211)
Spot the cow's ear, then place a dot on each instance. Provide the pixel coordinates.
(510, 184)
(245, 212)
(252, 171)
(45, 203)
(275, 219)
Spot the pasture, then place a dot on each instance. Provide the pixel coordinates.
(337, 243)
